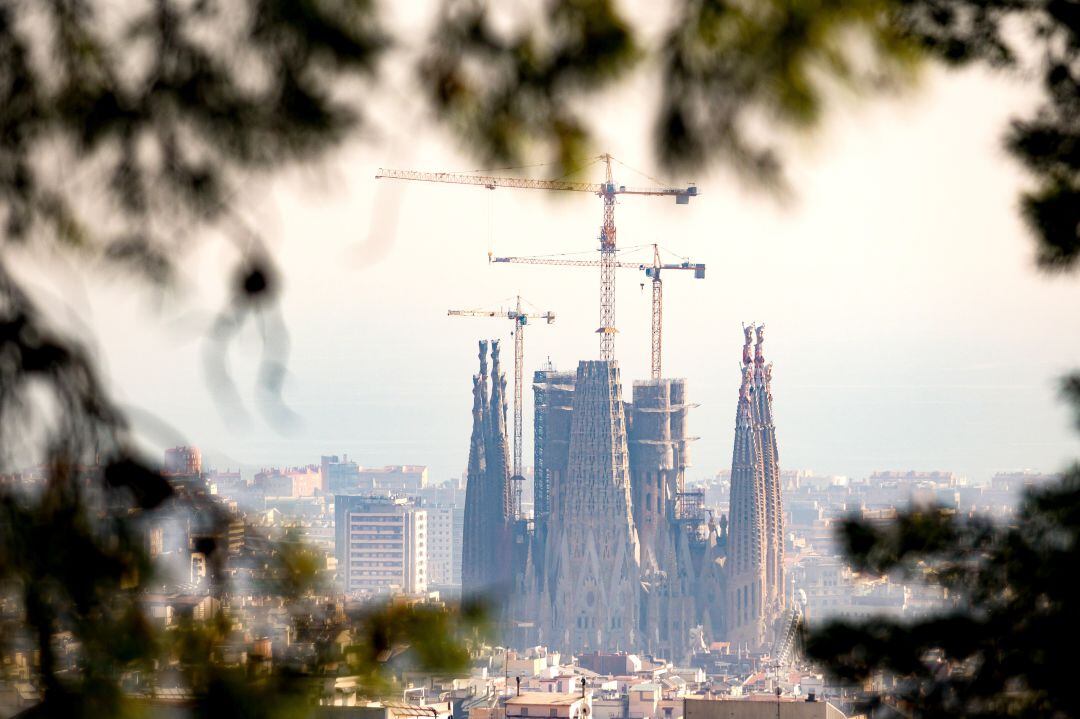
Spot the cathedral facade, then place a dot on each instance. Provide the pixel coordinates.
(619, 555)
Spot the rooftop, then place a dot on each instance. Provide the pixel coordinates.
(545, 698)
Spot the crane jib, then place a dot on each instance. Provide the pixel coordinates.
(607, 190)
(682, 194)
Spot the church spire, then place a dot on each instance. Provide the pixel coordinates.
(748, 338)
(498, 449)
(477, 460)
(474, 560)
(747, 539)
(774, 506)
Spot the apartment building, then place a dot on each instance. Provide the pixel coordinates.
(381, 544)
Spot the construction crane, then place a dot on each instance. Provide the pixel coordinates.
(652, 271)
(606, 190)
(520, 318)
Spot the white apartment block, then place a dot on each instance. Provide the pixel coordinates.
(381, 545)
(441, 543)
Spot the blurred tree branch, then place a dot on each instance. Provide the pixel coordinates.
(1006, 649)
(178, 101)
(736, 76)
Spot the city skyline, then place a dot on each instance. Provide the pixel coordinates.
(921, 339)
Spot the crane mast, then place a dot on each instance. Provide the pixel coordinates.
(651, 271)
(520, 318)
(519, 363)
(607, 268)
(658, 314)
(607, 191)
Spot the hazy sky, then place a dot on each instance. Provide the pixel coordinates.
(906, 322)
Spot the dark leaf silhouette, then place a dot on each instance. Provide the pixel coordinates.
(148, 486)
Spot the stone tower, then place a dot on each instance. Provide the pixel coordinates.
(553, 402)
(756, 530)
(654, 481)
(592, 552)
(486, 536)
(498, 449)
(680, 550)
(774, 510)
(473, 546)
(746, 533)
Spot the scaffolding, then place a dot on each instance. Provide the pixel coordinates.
(690, 505)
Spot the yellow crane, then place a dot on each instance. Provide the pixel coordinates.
(606, 190)
(520, 318)
(652, 271)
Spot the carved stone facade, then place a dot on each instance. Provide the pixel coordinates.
(592, 548)
(746, 568)
(619, 559)
(486, 539)
(775, 598)
(682, 552)
(619, 555)
(756, 596)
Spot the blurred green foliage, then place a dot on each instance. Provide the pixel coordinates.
(505, 93)
(737, 76)
(729, 65)
(423, 639)
(175, 103)
(1006, 648)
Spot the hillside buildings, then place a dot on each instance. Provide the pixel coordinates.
(340, 475)
(183, 461)
(290, 482)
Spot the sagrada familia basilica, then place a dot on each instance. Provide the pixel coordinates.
(618, 554)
